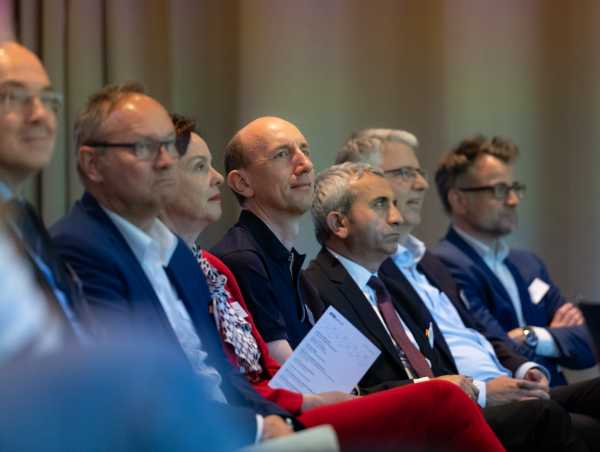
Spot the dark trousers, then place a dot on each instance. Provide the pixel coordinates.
(534, 425)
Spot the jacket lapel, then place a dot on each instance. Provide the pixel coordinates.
(147, 308)
(344, 283)
(453, 237)
(403, 290)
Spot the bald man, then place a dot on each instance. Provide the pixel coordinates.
(269, 170)
(28, 122)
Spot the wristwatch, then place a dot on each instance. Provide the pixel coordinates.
(531, 338)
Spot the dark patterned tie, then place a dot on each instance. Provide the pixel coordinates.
(386, 307)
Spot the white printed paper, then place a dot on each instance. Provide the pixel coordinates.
(333, 356)
(537, 290)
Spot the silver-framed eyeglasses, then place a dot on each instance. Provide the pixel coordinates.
(147, 149)
(18, 99)
(500, 190)
(407, 173)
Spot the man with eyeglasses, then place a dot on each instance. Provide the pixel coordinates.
(423, 286)
(28, 121)
(509, 291)
(135, 272)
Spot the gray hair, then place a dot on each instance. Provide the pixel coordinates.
(333, 193)
(366, 145)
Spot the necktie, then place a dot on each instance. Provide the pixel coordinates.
(384, 302)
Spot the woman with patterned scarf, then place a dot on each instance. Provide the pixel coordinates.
(435, 415)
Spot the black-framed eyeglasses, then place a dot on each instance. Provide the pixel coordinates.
(144, 149)
(407, 173)
(500, 190)
(16, 98)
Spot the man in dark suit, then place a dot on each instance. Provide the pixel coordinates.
(134, 270)
(509, 291)
(429, 294)
(28, 121)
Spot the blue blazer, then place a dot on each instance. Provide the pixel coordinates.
(118, 290)
(489, 302)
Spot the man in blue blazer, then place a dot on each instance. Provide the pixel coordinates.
(426, 289)
(508, 291)
(134, 270)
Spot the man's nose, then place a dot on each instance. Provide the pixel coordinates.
(420, 182)
(37, 109)
(395, 216)
(303, 163)
(512, 199)
(164, 159)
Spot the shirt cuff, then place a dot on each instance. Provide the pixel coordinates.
(259, 428)
(525, 367)
(420, 380)
(482, 397)
(546, 345)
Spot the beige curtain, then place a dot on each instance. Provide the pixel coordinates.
(442, 69)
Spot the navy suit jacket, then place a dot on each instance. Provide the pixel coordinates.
(118, 290)
(489, 302)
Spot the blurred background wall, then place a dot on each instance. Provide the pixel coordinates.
(441, 69)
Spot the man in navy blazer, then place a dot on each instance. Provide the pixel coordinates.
(509, 291)
(425, 288)
(134, 270)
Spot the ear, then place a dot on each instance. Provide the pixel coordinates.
(239, 183)
(457, 201)
(338, 224)
(89, 161)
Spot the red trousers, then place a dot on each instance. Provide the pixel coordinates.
(435, 415)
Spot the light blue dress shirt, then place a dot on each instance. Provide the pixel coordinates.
(472, 352)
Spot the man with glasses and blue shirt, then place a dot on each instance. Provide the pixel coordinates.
(28, 120)
(509, 291)
(422, 284)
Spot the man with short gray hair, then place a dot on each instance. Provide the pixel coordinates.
(425, 287)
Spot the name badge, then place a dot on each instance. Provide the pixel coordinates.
(537, 290)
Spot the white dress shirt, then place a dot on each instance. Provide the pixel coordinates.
(153, 250)
(494, 257)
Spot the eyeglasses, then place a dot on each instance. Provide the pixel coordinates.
(500, 190)
(144, 149)
(17, 99)
(407, 173)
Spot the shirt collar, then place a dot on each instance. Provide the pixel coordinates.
(158, 237)
(409, 252)
(6, 194)
(359, 274)
(498, 251)
(267, 239)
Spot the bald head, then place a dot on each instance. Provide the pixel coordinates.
(27, 114)
(20, 64)
(253, 137)
(269, 168)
